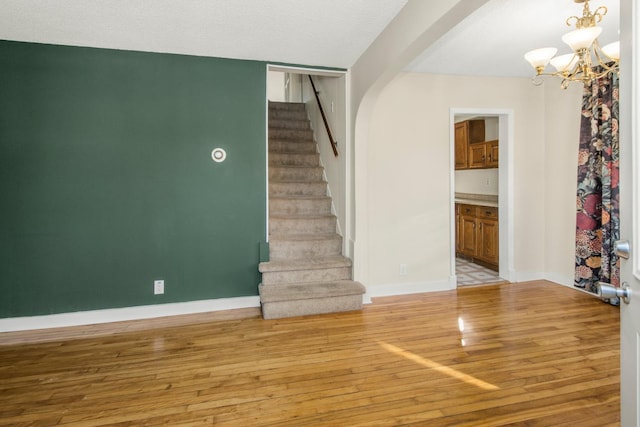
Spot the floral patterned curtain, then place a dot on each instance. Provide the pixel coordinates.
(598, 224)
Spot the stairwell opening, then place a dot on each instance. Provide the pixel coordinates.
(307, 271)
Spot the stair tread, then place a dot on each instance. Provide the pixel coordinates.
(281, 122)
(294, 167)
(294, 153)
(302, 216)
(285, 104)
(305, 263)
(296, 291)
(305, 237)
(309, 197)
(286, 153)
(297, 181)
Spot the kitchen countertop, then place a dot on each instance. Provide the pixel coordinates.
(477, 199)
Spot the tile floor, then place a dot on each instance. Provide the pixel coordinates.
(468, 273)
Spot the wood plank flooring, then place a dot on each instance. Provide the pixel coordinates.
(528, 354)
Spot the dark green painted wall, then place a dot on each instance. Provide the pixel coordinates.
(106, 179)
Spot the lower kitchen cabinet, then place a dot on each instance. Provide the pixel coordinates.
(477, 234)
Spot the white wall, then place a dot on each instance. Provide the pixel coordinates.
(408, 172)
(490, 128)
(477, 181)
(293, 86)
(562, 134)
(275, 86)
(417, 27)
(332, 93)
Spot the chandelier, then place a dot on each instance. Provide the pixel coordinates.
(588, 61)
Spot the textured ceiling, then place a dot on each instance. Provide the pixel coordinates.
(333, 33)
(312, 32)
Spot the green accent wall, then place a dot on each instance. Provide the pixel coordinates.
(107, 182)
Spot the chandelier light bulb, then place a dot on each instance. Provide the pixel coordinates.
(565, 62)
(612, 50)
(539, 58)
(582, 38)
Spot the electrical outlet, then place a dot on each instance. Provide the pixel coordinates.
(403, 269)
(158, 287)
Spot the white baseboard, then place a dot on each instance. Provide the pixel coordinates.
(123, 314)
(526, 276)
(444, 285)
(407, 288)
(193, 307)
(560, 279)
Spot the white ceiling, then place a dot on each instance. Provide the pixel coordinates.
(311, 32)
(493, 41)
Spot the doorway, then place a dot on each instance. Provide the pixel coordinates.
(293, 85)
(480, 196)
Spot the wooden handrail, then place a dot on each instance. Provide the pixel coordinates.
(334, 144)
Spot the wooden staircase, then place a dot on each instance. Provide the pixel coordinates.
(306, 273)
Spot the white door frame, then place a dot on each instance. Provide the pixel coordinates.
(345, 146)
(505, 188)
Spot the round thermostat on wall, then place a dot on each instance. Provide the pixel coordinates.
(218, 155)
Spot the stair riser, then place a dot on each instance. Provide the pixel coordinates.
(307, 276)
(295, 174)
(289, 146)
(281, 250)
(281, 309)
(323, 225)
(287, 115)
(289, 124)
(277, 189)
(286, 106)
(298, 134)
(276, 159)
(300, 207)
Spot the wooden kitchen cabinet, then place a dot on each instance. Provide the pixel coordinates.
(476, 156)
(483, 155)
(466, 133)
(458, 216)
(492, 153)
(467, 231)
(487, 235)
(477, 234)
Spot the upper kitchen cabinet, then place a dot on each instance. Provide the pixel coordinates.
(472, 151)
(483, 155)
(466, 133)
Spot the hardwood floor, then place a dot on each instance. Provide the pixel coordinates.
(533, 354)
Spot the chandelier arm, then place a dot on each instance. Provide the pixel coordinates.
(608, 68)
(599, 15)
(568, 21)
(604, 64)
(571, 75)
